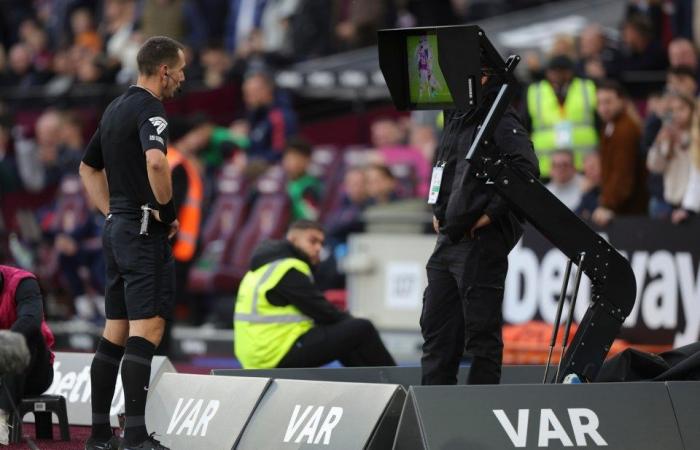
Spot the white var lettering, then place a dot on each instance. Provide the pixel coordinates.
(316, 429)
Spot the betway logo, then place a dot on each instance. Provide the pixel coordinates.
(668, 286)
(584, 423)
(196, 420)
(314, 429)
(76, 387)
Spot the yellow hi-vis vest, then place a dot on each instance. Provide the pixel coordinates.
(567, 127)
(263, 333)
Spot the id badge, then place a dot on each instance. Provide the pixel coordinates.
(564, 134)
(435, 182)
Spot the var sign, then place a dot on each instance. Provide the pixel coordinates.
(202, 411)
(584, 423)
(296, 414)
(614, 415)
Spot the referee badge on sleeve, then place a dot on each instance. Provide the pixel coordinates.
(159, 123)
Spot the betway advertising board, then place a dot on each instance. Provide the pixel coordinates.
(665, 259)
(71, 379)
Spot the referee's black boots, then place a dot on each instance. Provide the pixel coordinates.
(111, 444)
(149, 444)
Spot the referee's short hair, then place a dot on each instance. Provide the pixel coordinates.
(156, 51)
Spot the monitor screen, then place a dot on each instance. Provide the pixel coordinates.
(427, 85)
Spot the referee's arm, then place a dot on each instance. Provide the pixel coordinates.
(159, 175)
(93, 174)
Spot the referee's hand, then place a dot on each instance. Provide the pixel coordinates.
(174, 226)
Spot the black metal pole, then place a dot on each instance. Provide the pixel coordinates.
(567, 329)
(557, 318)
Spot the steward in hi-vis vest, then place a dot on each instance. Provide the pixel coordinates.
(282, 319)
(561, 109)
(190, 209)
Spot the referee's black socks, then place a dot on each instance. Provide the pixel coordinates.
(136, 371)
(103, 377)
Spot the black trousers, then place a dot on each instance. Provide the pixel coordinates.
(462, 306)
(354, 342)
(35, 380)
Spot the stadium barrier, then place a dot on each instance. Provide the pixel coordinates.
(72, 380)
(405, 376)
(685, 396)
(616, 415)
(201, 411)
(296, 414)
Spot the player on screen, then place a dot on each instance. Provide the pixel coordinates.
(424, 60)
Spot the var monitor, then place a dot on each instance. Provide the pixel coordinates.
(436, 67)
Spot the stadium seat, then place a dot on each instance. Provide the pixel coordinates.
(219, 233)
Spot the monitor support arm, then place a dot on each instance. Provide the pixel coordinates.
(612, 280)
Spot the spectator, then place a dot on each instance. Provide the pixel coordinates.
(72, 143)
(320, 334)
(304, 189)
(560, 112)
(681, 52)
(121, 43)
(682, 79)
(357, 21)
(271, 121)
(389, 142)
(163, 18)
(311, 29)
(20, 73)
(84, 34)
(623, 178)
(244, 16)
(670, 154)
(565, 183)
(595, 53)
(36, 40)
(22, 311)
(276, 29)
(38, 161)
(8, 169)
(216, 66)
(381, 185)
(657, 113)
(691, 199)
(590, 186)
(640, 52)
(348, 216)
(63, 74)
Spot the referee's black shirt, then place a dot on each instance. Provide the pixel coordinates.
(133, 123)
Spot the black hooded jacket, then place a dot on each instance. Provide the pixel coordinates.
(295, 288)
(464, 199)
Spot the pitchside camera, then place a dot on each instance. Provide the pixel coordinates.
(437, 67)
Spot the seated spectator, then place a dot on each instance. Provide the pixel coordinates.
(623, 177)
(389, 143)
(22, 311)
(381, 185)
(691, 199)
(216, 66)
(565, 183)
(304, 189)
(356, 22)
(590, 187)
(20, 73)
(282, 319)
(670, 154)
(595, 53)
(271, 120)
(38, 160)
(9, 182)
(348, 217)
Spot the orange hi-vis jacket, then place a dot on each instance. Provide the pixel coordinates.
(190, 213)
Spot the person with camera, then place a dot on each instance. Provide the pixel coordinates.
(22, 312)
(126, 173)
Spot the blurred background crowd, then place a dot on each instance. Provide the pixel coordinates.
(612, 114)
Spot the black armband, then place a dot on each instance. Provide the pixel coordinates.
(167, 212)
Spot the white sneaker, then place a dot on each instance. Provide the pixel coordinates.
(4, 428)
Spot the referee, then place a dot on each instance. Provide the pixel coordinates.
(127, 176)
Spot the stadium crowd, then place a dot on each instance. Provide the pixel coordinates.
(612, 114)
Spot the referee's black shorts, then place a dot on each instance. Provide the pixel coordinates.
(140, 269)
